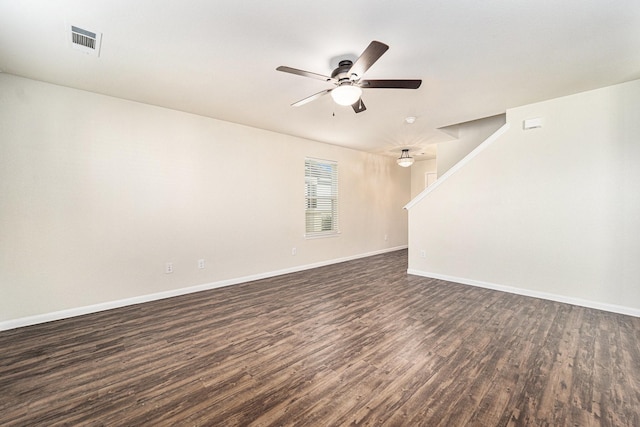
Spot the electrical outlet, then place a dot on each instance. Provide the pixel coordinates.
(423, 253)
(293, 251)
(386, 237)
(200, 263)
(168, 269)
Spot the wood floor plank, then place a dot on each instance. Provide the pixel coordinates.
(357, 343)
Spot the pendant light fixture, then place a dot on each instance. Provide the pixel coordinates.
(405, 160)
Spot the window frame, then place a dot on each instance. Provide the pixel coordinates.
(315, 216)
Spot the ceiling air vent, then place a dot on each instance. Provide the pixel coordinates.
(85, 40)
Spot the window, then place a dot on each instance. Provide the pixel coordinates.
(321, 197)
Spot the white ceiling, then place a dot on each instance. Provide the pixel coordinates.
(218, 58)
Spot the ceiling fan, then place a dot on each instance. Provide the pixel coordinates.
(348, 79)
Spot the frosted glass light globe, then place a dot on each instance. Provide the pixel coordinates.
(346, 94)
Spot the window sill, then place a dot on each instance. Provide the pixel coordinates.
(322, 235)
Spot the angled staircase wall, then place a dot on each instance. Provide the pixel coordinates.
(468, 136)
(551, 212)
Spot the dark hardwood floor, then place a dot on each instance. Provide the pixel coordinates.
(358, 343)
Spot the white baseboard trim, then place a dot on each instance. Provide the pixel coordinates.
(79, 311)
(629, 311)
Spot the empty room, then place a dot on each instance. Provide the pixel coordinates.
(411, 213)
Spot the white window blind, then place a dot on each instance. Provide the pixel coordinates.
(321, 197)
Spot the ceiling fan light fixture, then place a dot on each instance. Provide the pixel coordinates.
(346, 94)
(405, 160)
(348, 79)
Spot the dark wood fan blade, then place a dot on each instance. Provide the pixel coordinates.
(311, 98)
(304, 73)
(359, 107)
(390, 84)
(371, 54)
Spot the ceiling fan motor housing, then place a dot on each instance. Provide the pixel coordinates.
(342, 72)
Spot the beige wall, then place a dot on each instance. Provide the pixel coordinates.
(98, 193)
(551, 212)
(468, 136)
(418, 171)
